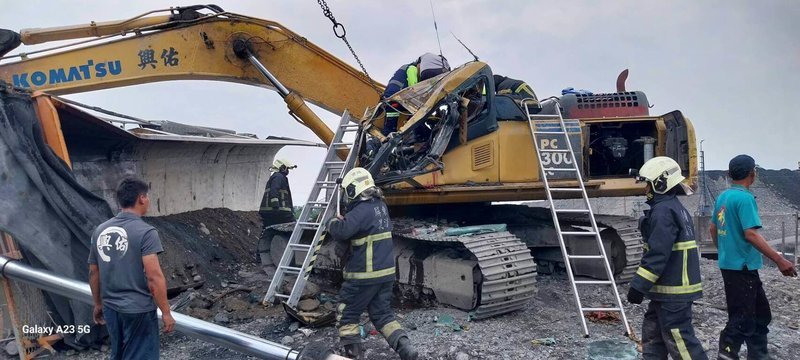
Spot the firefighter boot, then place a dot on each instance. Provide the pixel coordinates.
(406, 350)
(354, 351)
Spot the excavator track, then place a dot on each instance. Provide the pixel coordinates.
(508, 271)
(628, 231)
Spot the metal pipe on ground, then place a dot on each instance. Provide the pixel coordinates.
(232, 339)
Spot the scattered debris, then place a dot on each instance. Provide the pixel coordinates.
(306, 331)
(308, 304)
(544, 341)
(294, 326)
(612, 350)
(603, 316)
(221, 318)
(447, 321)
(287, 340)
(204, 229)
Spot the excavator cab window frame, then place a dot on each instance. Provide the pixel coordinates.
(484, 121)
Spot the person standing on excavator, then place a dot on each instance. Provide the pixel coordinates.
(504, 85)
(369, 273)
(276, 208)
(425, 67)
(669, 274)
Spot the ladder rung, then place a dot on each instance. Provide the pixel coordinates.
(559, 169)
(318, 202)
(290, 269)
(323, 182)
(307, 223)
(340, 144)
(534, 116)
(579, 233)
(567, 189)
(550, 132)
(555, 150)
(573, 211)
(353, 126)
(334, 163)
(585, 256)
(302, 246)
(600, 309)
(593, 282)
(281, 295)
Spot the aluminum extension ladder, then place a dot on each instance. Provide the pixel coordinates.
(568, 156)
(316, 214)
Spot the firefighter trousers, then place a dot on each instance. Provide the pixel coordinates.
(667, 330)
(376, 299)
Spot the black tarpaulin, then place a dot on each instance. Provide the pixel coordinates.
(43, 207)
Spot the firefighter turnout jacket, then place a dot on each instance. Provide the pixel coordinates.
(404, 77)
(369, 231)
(277, 194)
(670, 268)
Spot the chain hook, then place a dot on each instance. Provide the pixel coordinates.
(336, 27)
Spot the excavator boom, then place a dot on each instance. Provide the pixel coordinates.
(200, 48)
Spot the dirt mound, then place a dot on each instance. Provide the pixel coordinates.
(210, 243)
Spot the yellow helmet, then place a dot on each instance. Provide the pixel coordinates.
(281, 164)
(356, 181)
(663, 173)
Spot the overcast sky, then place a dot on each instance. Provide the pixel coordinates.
(732, 67)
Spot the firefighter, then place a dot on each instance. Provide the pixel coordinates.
(669, 274)
(515, 88)
(369, 272)
(276, 206)
(407, 75)
(424, 67)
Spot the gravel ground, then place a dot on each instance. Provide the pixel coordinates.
(551, 314)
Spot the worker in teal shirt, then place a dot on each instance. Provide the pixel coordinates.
(734, 231)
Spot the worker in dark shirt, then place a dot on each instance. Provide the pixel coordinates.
(669, 274)
(369, 273)
(126, 279)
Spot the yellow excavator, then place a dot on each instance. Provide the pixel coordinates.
(459, 148)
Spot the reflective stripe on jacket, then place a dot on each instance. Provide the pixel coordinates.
(404, 77)
(368, 229)
(277, 193)
(670, 268)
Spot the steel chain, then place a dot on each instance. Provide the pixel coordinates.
(340, 32)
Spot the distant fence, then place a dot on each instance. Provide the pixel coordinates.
(782, 231)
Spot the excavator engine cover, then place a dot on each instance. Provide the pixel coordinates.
(584, 106)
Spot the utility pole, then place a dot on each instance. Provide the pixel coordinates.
(704, 203)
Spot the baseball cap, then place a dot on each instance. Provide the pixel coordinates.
(740, 166)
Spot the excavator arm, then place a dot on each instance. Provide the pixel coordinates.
(189, 45)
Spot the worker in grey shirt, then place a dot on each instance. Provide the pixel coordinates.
(126, 278)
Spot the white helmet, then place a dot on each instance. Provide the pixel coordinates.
(662, 173)
(281, 164)
(356, 181)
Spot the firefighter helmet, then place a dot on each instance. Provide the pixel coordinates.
(281, 165)
(356, 181)
(662, 173)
